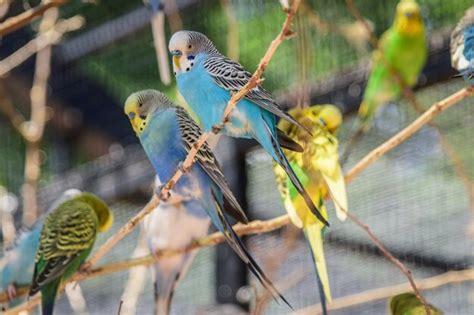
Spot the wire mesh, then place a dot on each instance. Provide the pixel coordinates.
(412, 197)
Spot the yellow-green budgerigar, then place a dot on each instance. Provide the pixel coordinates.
(402, 52)
(66, 239)
(319, 171)
(408, 304)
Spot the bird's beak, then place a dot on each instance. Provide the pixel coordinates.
(176, 62)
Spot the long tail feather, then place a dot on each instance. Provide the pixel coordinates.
(48, 297)
(314, 235)
(237, 245)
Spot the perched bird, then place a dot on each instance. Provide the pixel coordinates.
(66, 239)
(206, 79)
(19, 260)
(159, 231)
(319, 170)
(402, 53)
(408, 304)
(167, 133)
(462, 46)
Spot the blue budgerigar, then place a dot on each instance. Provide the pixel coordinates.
(159, 231)
(19, 260)
(462, 46)
(167, 133)
(206, 79)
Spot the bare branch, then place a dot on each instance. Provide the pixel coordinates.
(16, 22)
(51, 37)
(407, 132)
(450, 277)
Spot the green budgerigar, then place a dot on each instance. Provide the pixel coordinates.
(402, 52)
(67, 238)
(397, 62)
(408, 304)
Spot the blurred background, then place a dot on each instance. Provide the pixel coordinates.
(413, 198)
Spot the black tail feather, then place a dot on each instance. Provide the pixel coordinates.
(288, 143)
(238, 246)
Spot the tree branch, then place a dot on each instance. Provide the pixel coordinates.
(16, 22)
(450, 277)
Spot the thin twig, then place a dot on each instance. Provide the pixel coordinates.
(450, 277)
(51, 37)
(26, 17)
(33, 132)
(407, 132)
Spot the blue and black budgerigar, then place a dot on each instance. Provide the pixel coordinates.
(462, 46)
(206, 79)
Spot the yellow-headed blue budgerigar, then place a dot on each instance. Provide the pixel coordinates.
(66, 239)
(319, 170)
(462, 46)
(206, 79)
(167, 133)
(402, 53)
(19, 260)
(408, 304)
(159, 231)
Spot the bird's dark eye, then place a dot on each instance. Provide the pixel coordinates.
(190, 46)
(140, 104)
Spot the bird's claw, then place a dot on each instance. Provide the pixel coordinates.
(85, 269)
(160, 192)
(184, 169)
(11, 291)
(217, 128)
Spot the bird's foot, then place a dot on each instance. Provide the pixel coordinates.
(218, 127)
(11, 291)
(163, 192)
(184, 169)
(86, 269)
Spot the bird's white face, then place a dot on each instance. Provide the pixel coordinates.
(183, 52)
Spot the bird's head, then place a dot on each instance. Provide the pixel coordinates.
(140, 106)
(329, 115)
(104, 214)
(408, 18)
(185, 46)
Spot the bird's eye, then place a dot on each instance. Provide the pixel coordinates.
(190, 46)
(140, 104)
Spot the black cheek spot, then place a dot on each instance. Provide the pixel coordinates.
(192, 64)
(187, 69)
(143, 117)
(174, 72)
(141, 129)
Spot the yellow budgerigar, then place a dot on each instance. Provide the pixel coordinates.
(319, 171)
